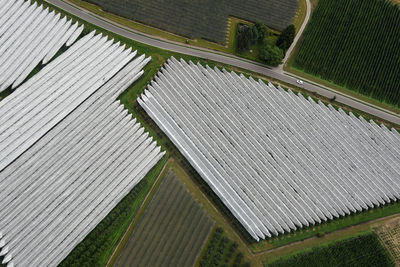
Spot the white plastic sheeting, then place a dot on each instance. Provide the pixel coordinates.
(50, 95)
(69, 152)
(30, 34)
(278, 161)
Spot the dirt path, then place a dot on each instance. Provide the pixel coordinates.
(298, 35)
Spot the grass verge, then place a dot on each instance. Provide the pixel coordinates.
(364, 249)
(341, 89)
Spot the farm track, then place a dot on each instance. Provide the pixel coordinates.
(227, 59)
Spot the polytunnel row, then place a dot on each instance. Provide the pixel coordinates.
(69, 152)
(50, 95)
(29, 35)
(278, 161)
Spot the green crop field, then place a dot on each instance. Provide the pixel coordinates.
(221, 251)
(363, 250)
(354, 44)
(174, 227)
(205, 19)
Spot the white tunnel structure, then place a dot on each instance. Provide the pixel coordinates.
(29, 35)
(277, 160)
(69, 152)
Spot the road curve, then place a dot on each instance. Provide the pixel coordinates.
(298, 35)
(275, 73)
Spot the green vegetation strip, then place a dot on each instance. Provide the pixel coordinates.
(328, 227)
(363, 250)
(354, 44)
(172, 224)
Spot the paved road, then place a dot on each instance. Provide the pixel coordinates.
(226, 59)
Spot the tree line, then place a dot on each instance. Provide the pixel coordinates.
(272, 52)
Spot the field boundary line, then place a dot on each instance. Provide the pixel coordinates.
(370, 223)
(138, 215)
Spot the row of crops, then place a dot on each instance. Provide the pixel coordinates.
(199, 18)
(355, 44)
(174, 228)
(69, 152)
(29, 35)
(277, 160)
(93, 247)
(221, 251)
(364, 250)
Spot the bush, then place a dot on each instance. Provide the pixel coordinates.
(319, 234)
(286, 37)
(246, 37)
(271, 55)
(263, 31)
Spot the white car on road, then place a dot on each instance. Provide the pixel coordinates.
(300, 82)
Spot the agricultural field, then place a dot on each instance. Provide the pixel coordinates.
(202, 19)
(363, 250)
(174, 226)
(389, 234)
(355, 45)
(221, 251)
(308, 169)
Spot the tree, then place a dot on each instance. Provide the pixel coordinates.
(263, 31)
(271, 55)
(286, 38)
(246, 37)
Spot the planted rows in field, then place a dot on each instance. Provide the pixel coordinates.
(199, 18)
(174, 227)
(277, 160)
(69, 152)
(29, 35)
(356, 44)
(360, 251)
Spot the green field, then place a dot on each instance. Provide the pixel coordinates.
(356, 45)
(221, 251)
(206, 19)
(174, 227)
(363, 250)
